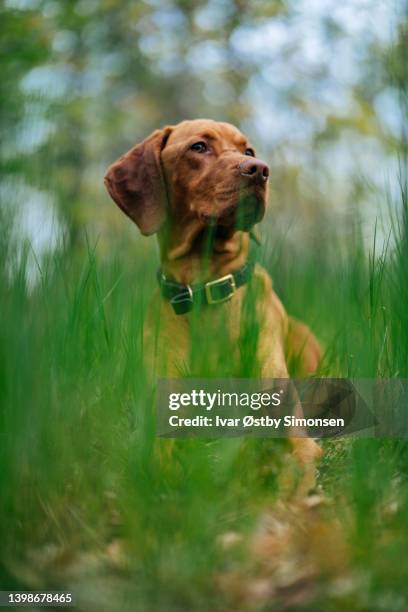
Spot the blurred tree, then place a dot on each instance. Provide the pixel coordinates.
(24, 45)
(309, 83)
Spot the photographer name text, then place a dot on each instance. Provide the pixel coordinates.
(200, 399)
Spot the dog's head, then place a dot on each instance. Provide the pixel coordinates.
(200, 171)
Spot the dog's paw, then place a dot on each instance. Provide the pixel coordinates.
(306, 450)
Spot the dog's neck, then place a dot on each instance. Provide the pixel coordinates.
(208, 255)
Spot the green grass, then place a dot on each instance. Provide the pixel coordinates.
(80, 466)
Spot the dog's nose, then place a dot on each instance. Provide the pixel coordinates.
(255, 169)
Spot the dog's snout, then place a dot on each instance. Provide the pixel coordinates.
(255, 169)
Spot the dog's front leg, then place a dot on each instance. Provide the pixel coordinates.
(305, 450)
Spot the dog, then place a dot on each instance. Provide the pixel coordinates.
(200, 188)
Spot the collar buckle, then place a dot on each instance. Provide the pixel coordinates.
(183, 301)
(220, 290)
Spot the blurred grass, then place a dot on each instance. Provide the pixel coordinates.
(79, 462)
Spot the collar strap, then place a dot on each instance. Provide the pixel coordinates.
(184, 297)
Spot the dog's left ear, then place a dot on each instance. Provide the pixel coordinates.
(136, 183)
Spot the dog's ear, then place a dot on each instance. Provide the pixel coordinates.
(136, 183)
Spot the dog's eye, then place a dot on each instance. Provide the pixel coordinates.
(250, 152)
(200, 147)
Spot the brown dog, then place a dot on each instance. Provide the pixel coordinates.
(181, 182)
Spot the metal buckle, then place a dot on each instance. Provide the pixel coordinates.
(183, 302)
(208, 286)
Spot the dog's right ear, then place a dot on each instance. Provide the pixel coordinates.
(136, 183)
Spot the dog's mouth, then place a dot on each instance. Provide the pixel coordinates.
(242, 215)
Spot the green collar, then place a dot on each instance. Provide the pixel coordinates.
(184, 297)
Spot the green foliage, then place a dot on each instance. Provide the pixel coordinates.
(78, 428)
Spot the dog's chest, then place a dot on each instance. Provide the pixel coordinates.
(235, 338)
